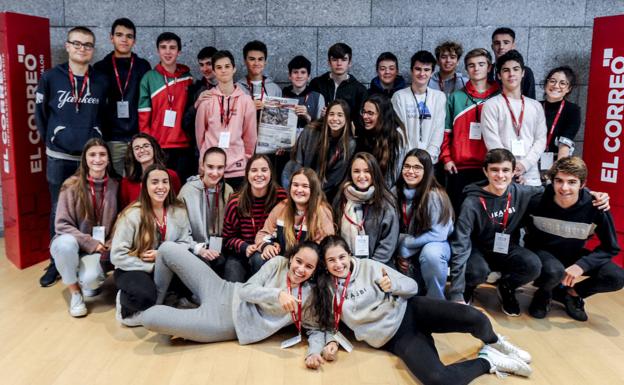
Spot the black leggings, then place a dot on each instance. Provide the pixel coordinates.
(138, 291)
(414, 344)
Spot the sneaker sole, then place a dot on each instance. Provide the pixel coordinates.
(500, 298)
(78, 315)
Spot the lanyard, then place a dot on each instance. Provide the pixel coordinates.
(162, 227)
(505, 214)
(74, 87)
(359, 226)
(441, 82)
(169, 94)
(554, 124)
(226, 115)
(420, 113)
(407, 219)
(300, 228)
(517, 124)
(215, 208)
(296, 318)
(122, 91)
(98, 211)
(338, 304)
(262, 89)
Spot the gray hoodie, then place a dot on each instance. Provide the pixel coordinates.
(270, 87)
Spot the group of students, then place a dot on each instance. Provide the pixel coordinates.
(385, 190)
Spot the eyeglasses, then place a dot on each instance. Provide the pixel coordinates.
(554, 82)
(415, 167)
(78, 45)
(146, 146)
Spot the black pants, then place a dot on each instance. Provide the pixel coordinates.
(602, 279)
(138, 291)
(455, 184)
(182, 161)
(414, 344)
(518, 267)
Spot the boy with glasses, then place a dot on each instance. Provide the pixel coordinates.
(70, 106)
(124, 70)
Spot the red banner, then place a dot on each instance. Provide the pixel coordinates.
(24, 56)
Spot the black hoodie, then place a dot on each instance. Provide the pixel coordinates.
(66, 130)
(350, 90)
(122, 129)
(563, 232)
(474, 228)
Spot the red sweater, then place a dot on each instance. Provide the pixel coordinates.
(129, 191)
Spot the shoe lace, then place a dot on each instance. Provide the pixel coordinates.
(508, 346)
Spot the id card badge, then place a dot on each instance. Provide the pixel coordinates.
(291, 342)
(123, 109)
(546, 160)
(501, 243)
(361, 245)
(343, 341)
(215, 244)
(170, 118)
(224, 139)
(99, 233)
(475, 131)
(517, 147)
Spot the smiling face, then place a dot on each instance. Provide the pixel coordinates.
(421, 73)
(123, 40)
(158, 186)
(336, 119)
(143, 151)
(370, 114)
(448, 62)
(259, 174)
(502, 43)
(361, 174)
(224, 70)
(300, 190)
(97, 160)
(557, 87)
(255, 62)
(387, 70)
(499, 175)
(299, 77)
(567, 188)
(302, 265)
(214, 168)
(338, 261)
(205, 67)
(168, 51)
(82, 55)
(412, 171)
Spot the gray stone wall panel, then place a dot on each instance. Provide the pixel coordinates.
(318, 13)
(214, 12)
(532, 13)
(100, 13)
(424, 13)
(597, 8)
(51, 9)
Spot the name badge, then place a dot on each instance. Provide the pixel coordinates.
(343, 341)
(215, 244)
(123, 109)
(475, 131)
(517, 147)
(224, 139)
(361, 245)
(546, 160)
(99, 233)
(170, 118)
(291, 342)
(501, 243)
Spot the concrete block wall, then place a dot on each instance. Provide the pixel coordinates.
(549, 32)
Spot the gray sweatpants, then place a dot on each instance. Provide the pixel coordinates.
(75, 266)
(212, 321)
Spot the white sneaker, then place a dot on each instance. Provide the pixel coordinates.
(506, 347)
(77, 307)
(90, 292)
(500, 362)
(118, 307)
(131, 321)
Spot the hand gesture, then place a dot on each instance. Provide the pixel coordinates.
(288, 302)
(601, 200)
(250, 250)
(329, 351)
(384, 283)
(571, 275)
(149, 255)
(314, 361)
(450, 167)
(270, 251)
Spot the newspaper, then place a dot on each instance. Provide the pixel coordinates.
(278, 125)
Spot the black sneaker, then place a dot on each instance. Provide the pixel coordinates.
(509, 302)
(575, 307)
(469, 294)
(50, 277)
(540, 305)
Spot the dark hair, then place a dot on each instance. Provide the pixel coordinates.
(255, 45)
(81, 29)
(449, 46)
(424, 57)
(298, 62)
(567, 71)
(206, 53)
(571, 165)
(387, 56)
(422, 220)
(499, 155)
(245, 197)
(476, 53)
(166, 36)
(339, 51)
(511, 55)
(224, 54)
(385, 142)
(215, 150)
(123, 22)
(134, 171)
(504, 31)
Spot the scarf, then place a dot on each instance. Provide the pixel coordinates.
(353, 209)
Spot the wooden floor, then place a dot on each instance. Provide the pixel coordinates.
(40, 343)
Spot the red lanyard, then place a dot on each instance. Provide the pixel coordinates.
(169, 94)
(300, 228)
(505, 214)
(215, 209)
(262, 89)
(517, 124)
(554, 124)
(122, 91)
(226, 116)
(296, 318)
(406, 218)
(74, 86)
(99, 211)
(162, 227)
(338, 305)
(359, 226)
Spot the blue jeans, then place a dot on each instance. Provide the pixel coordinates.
(431, 267)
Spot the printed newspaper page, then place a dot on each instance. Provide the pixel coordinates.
(278, 125)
